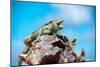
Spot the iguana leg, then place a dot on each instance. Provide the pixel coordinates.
(28, 44)
(26, 49)
(19, 61)
(21, 58)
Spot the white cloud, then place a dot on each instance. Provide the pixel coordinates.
(75, 13)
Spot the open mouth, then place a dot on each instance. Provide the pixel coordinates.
(60, 24)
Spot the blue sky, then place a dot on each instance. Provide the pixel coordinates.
(79, 22)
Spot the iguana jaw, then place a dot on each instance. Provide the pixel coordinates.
(59, 22)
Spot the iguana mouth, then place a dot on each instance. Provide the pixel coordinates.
(59, 23)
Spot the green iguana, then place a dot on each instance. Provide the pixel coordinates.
(52, 27)
(49, 28)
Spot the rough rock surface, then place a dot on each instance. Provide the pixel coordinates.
(52, 49)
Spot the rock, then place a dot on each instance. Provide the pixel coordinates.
(46, 46)
(51, 49)
(51, 59)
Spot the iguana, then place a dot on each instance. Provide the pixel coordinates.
(49, 28)
(52, 27)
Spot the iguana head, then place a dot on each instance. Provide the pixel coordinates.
(57, 24)
(53, 26)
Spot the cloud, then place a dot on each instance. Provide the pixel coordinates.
(75, 14)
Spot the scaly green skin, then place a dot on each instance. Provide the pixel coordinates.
(50, 28)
